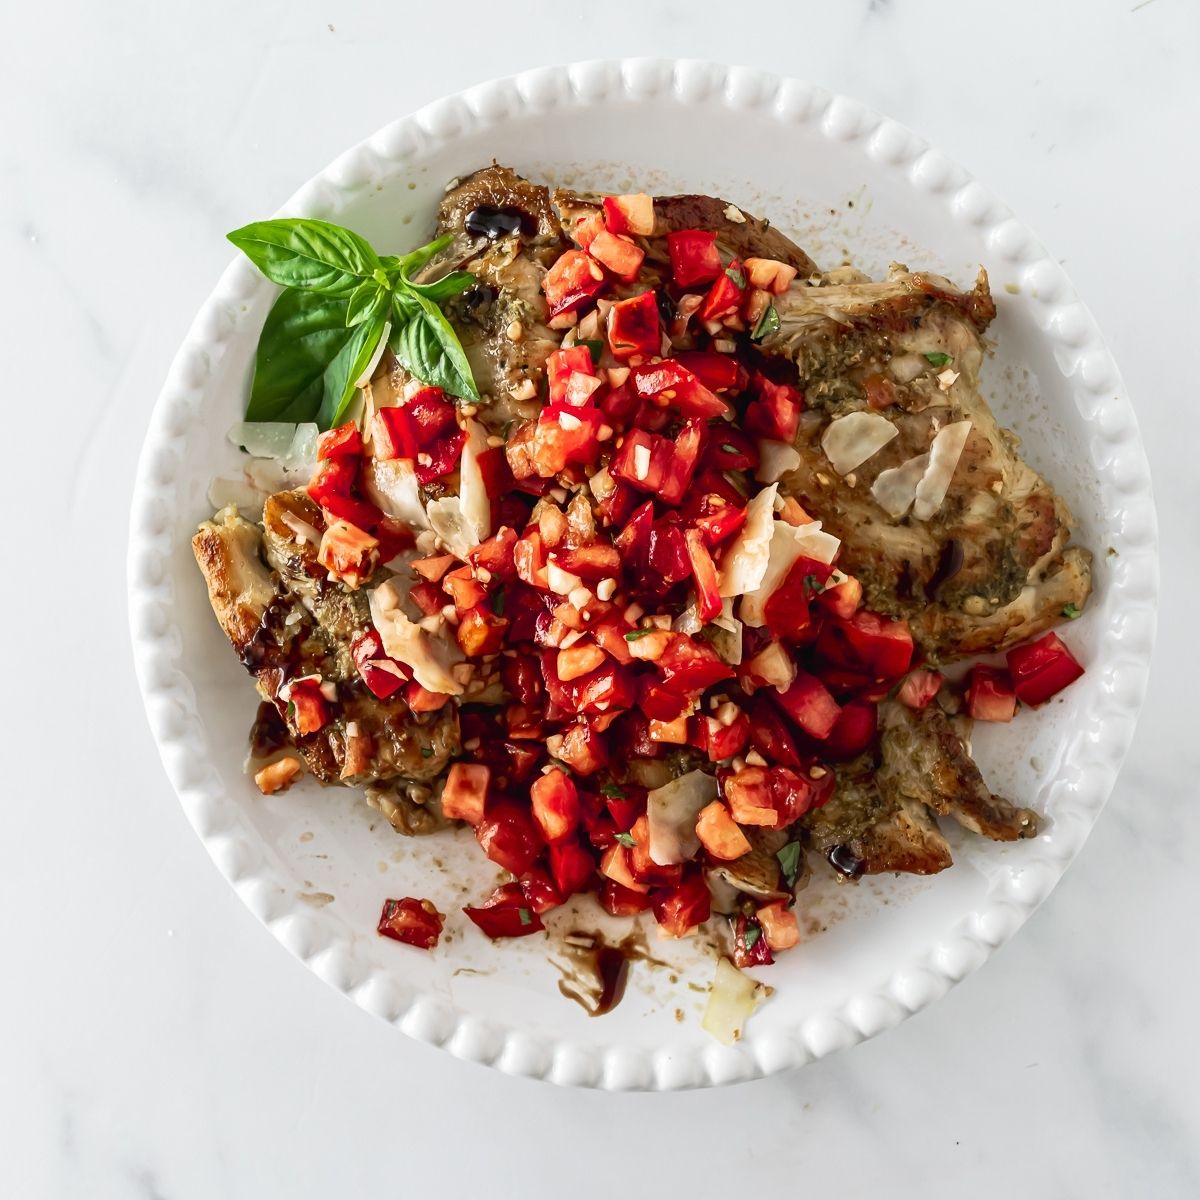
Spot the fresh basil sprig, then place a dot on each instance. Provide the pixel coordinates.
(325, 327)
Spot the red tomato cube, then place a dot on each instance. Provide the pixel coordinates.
(1042, 669)
(555, 804)
(694, 257)
(464, 797)
(412, 921)
(509, 837)
(990, 694)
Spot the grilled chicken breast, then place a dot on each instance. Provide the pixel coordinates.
(286, 620)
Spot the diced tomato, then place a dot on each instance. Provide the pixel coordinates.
(509, 837)
(463, 588)
(633, 327)
(694, 257)
(704, 576)
(748, 794)
(688, 446)
(770, 735)
(719, 741)
(720, 834)
(495, 555)
(564, 435)
(919, 687)
(619, 901)
(684, 908)
(750, 946)
(606, 689)
(464, 796)
(443, 456)
(540, 891)
(854, 732)
(785, 612)
(1042, 669)
(792, 795)
(626, 807)
(878, 647)
(668, 552)
(573, 280)
(586, 228)
(990, 694)
(428, 597)
(343, 442)
(670, 383)
(725, 296)
(617, 254)
(779, 925)
(306, 708)
(412, 921)
(615, 865)
(561, 365)
(583, 749)
(480, 631)
(642, 461)
(731, 450)
(769, 274)
(352, 510)
(572, 866)
(629, 214)
(555, 804)
(506, 914)
(808, 702)
(718, 522)
(348, 554)
(599, 561)
(333, 477)
(529, 558)
(718, 372)
(842, 599)
(775, 410)
(420, 699)
(433, 569)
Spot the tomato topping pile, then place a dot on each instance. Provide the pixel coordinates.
(646, 608)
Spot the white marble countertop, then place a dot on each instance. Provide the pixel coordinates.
(157, 1042)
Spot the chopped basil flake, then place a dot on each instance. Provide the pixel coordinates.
(768, 324)
(595, 348)
(498, 602)
(935, 358)
(626, 839)
(634, 634)
(752, 934)
(525, 915)
(736, 276)
(729, 449)
(813, 584)
(789, 862)
(291, 709)
(612, 791)
(1071, 611)
(426, 752)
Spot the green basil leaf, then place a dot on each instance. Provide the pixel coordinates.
(427, 346)
(297, 252)
(612, 791)
(302, 336)
(751, 935)
(768, 324)
(450, 285)
(367, 300)
(626, 839)
(414, 260)
(634, 634)
(738, 278)
(341, 374)
(1071, 611)
(789, 862)
(595, 348)
(525, 915)
(936, 358)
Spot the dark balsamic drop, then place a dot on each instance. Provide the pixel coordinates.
(843, 860)
(493, 223)
(950, 562)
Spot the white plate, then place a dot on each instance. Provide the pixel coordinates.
(316, 865)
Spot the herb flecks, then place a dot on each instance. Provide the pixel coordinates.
(1071, 611)
(789, 862)
(937, 358)
(626, 840)
(341, 299)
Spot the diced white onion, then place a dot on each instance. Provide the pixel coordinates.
(944, 454)
(850, 440)
(671, 812)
